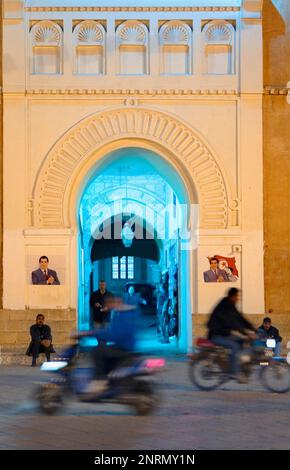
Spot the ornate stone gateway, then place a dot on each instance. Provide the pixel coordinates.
(183, 82)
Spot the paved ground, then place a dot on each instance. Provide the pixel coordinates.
(233, 417)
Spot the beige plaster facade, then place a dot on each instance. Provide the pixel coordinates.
(209, 129)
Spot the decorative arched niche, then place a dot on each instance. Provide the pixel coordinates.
(219, 48)
(132, 48)
(153, 129)
(175, 39)
(89, 48)
(46, 38)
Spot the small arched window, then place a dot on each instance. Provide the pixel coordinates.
(132, 48)
(89, 48)
(46, 48)
(175, 39)
(219, 52)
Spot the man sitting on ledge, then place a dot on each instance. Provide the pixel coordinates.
(268, 331)
(43, 275)
(40, 340)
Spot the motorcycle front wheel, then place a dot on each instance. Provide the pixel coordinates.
(50, 398)
(205, 373)
(276, 377)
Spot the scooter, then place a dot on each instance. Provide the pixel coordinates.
(129, 383)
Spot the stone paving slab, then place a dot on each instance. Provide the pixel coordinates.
(235, 416)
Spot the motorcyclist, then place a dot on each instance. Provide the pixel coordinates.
(115, 343)
(227, 327)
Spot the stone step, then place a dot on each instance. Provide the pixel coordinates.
(24, 325)
(282, 322)
(15, 326)
(18, 356)
(30, 315)
(23, 338)
(283, 329)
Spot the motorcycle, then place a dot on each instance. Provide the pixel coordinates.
(210, 364)
(129, 382)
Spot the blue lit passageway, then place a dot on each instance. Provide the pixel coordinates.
(129, 235)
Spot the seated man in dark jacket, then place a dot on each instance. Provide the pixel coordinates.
(40, 340)
(229, 328)
(266, 330)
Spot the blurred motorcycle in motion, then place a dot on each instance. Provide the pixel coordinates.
(209, 365)
(129, 382)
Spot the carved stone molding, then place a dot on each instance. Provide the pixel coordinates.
(218, 32)
(89, 32)
(109, 91)
(132, 32)
(175, 32)
(133, 9)
(46, 33)
(131, 102)
(277, 90)
(76, 146)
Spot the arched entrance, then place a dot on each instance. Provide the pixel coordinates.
(71, 161)
(131, 186)
(84, 149)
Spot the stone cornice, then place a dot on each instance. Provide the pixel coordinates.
(276, 90)
(268, 90)
(125, 92)
(129, 9)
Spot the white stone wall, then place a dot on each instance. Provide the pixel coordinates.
(47, 113)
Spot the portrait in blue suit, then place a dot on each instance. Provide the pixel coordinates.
(43, 275)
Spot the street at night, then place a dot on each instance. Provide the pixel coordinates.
(236, 416)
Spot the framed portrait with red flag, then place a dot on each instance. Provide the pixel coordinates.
(221, 269)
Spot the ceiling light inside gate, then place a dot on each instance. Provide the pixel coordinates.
(127, 235)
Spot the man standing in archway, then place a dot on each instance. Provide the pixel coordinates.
(100, 312)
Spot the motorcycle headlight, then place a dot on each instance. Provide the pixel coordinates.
(271, 343)
(53, 366)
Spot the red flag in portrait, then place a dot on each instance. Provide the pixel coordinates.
(231, 262)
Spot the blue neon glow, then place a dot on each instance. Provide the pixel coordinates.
(161, 176)
(133, 175)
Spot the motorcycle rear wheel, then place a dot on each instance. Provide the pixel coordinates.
(146, 399)
(49, 397)
(205, 374)
(276, 377)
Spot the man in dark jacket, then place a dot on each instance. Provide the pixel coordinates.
(227, 327)
(267, 330)
(101, 313)
(40, 340)
(44, 275)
